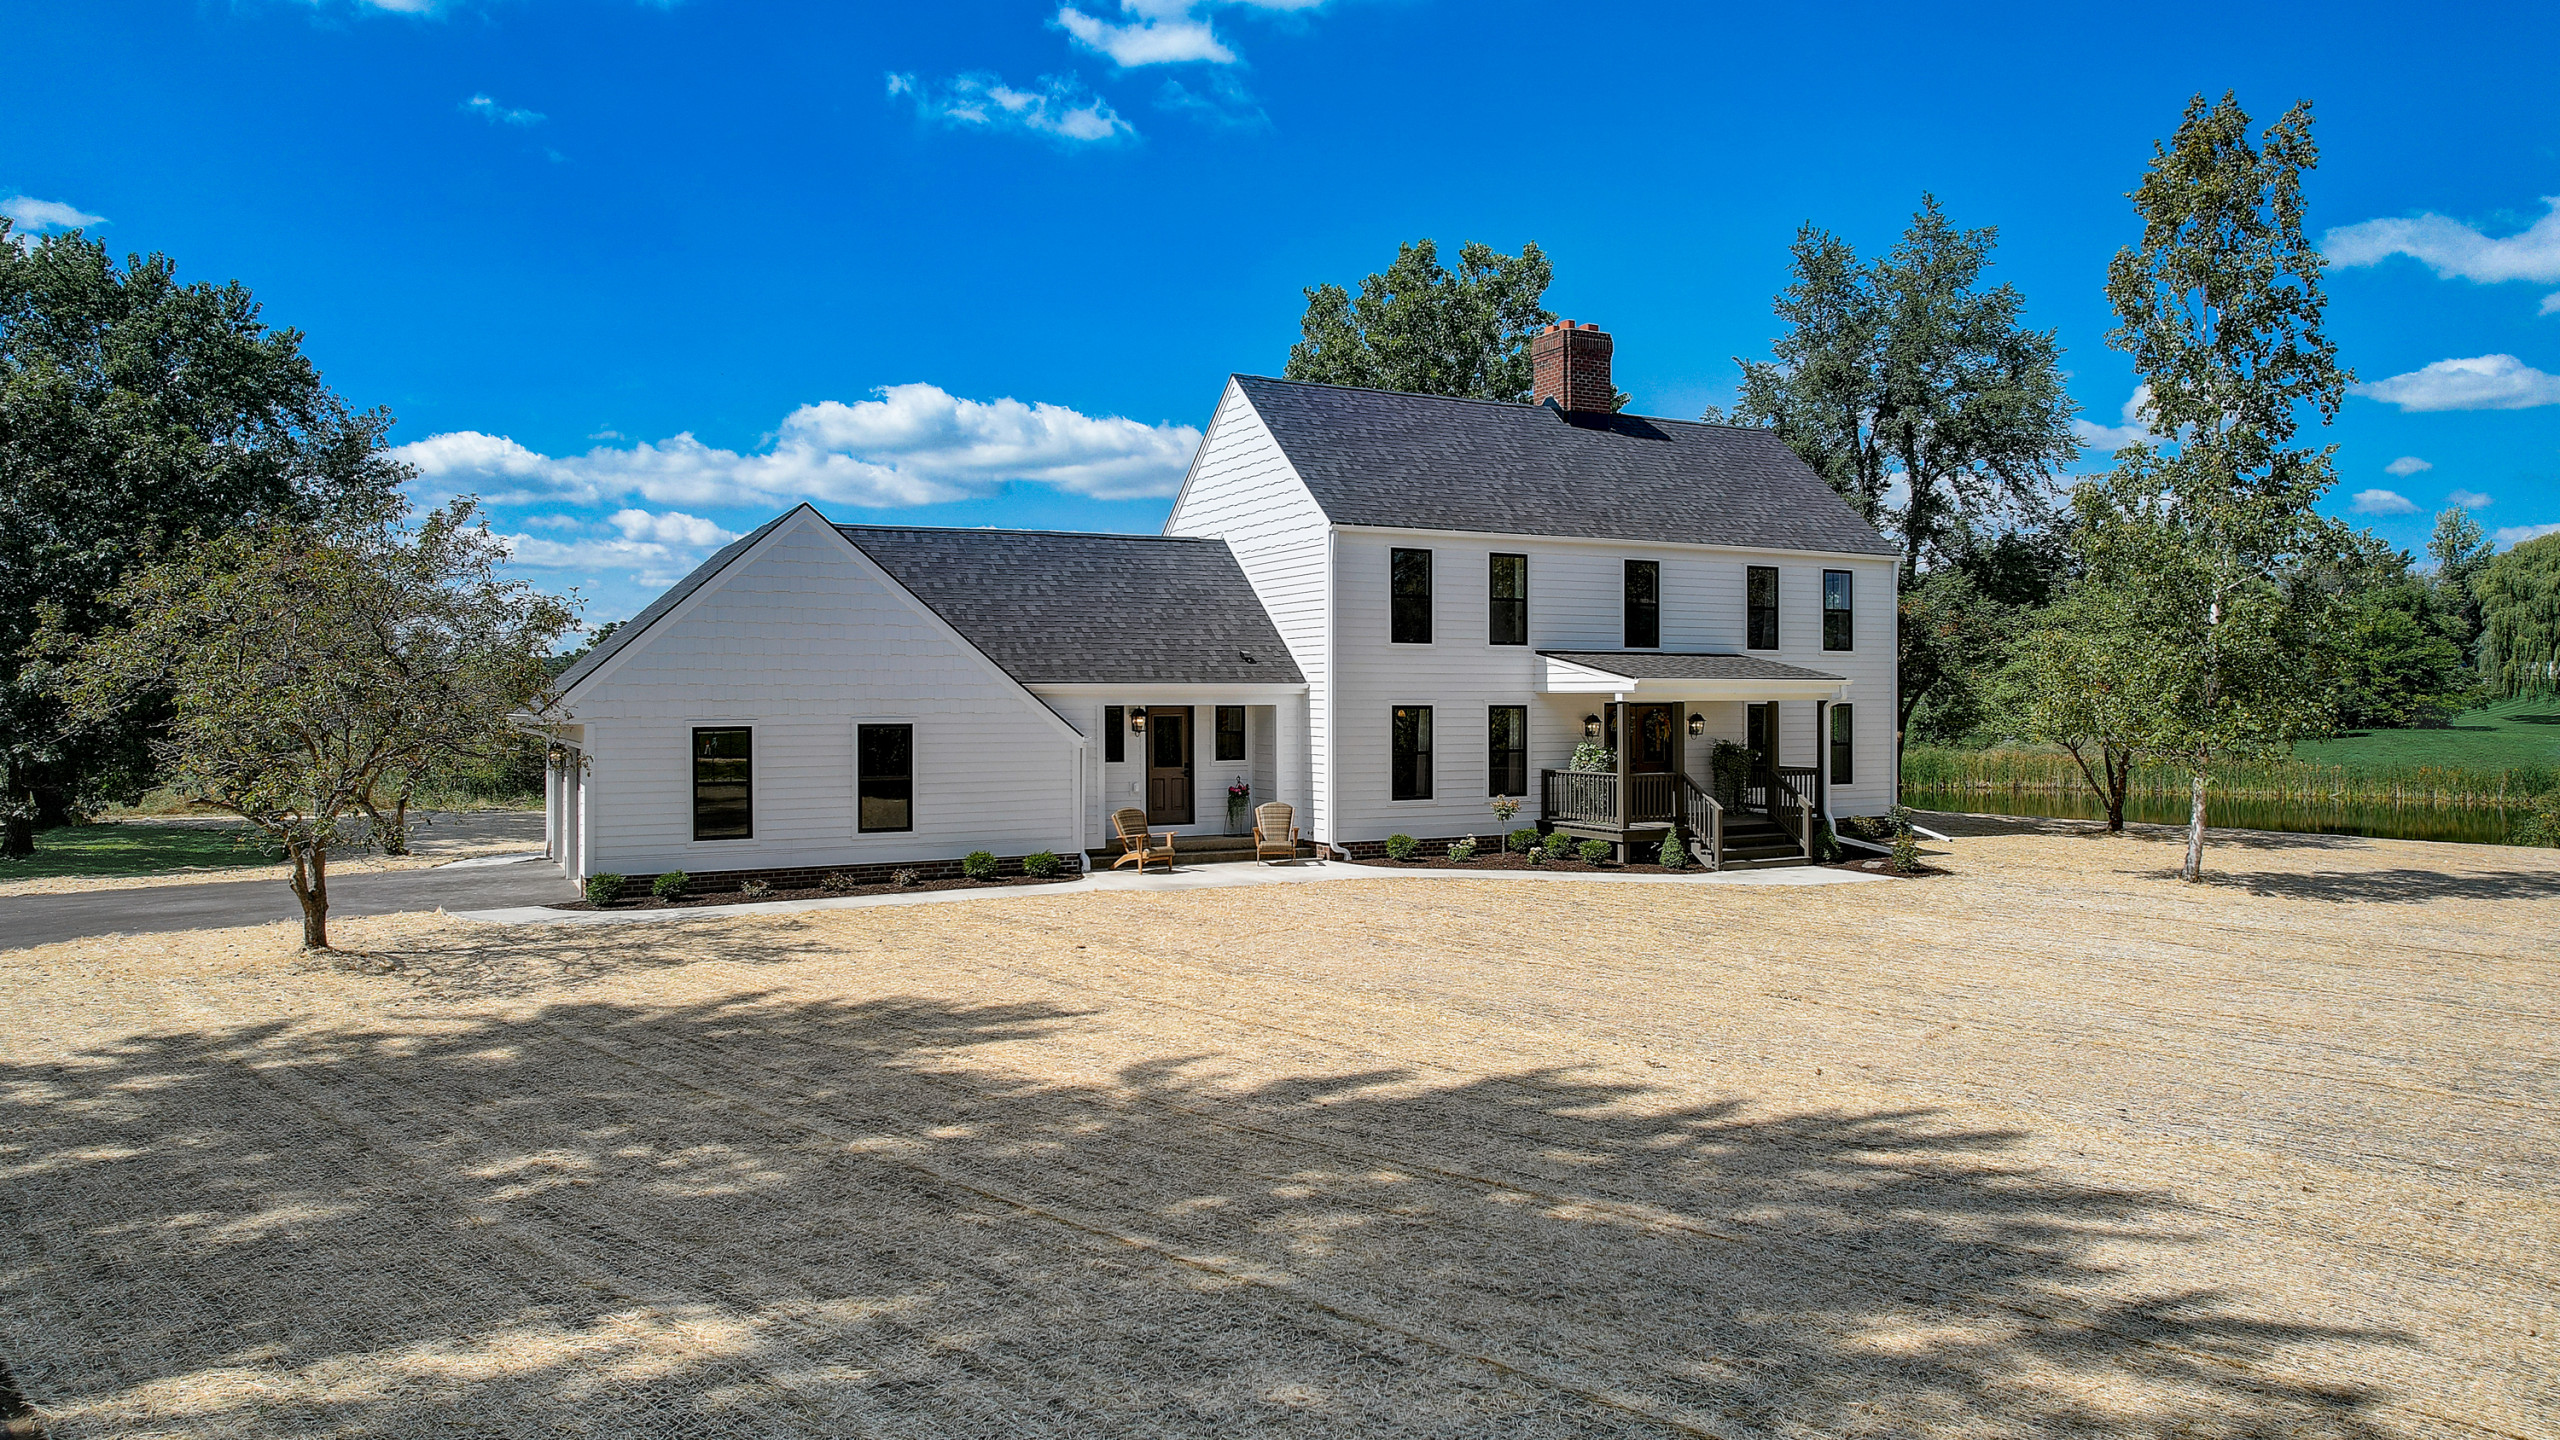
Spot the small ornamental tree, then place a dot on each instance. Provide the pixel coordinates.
(2201, 542)
(311, 666)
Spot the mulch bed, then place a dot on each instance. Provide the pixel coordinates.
(734, 897)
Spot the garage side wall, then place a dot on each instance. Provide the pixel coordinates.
(802, 640)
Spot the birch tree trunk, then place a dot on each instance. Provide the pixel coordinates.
(2194, 872)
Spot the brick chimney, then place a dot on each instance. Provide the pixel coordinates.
(1569, 365)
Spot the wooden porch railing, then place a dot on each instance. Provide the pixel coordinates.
(1789, 810)
(1705, 819)
(1579, 797)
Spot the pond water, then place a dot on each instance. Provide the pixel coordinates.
(2389, 822)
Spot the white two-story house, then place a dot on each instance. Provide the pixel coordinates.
(1387, 610)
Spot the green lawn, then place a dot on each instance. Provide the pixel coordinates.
(2509, 735)
(136, 850)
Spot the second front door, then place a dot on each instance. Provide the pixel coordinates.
(1169, 766)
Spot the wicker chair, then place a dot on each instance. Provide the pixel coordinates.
(1139, 846)
(1273, 836)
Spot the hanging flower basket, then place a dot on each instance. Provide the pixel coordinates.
(1239, 806)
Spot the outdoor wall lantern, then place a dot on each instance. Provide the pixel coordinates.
(1590, 727)
(1138, 718)
(1697, 723)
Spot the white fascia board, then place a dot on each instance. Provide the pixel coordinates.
(1507, 537)
(1152, 692)
(1215, 415)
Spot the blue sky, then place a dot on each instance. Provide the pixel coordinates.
(646, 273)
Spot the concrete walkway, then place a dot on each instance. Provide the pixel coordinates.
(1196, 877)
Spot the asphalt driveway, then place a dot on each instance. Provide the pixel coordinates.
(476, 884)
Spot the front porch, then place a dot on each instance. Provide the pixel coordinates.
(1662, 772)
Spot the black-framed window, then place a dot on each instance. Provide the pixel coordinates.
(1507, 750)
(1844, 748)
(1115, 733)
(1839, 611)
(723, 782)
(885, 774)
(1756, 736)
(1508, 622)
(1760, 597)
(1409, 587)
(1410, 770)
(1644, 604)
(1230, 732)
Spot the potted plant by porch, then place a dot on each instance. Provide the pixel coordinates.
(1239, 806)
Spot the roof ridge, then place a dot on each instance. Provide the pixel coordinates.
(1472, 400)
(1026, 530)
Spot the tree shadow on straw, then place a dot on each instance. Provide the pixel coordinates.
(766, 1217)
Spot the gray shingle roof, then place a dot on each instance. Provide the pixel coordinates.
(1425, 462)
(1684, 665)
(1060, 608)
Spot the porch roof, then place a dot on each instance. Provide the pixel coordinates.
(1699, 674)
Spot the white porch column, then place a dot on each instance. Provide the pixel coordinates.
(1291, 786)
(550, 802)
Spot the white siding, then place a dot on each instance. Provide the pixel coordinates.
(802, 639)
(1575, 602)
(1243, 490)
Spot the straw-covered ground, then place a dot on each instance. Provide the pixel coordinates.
(2050, 1145)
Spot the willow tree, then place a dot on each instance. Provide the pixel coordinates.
(2203, 539)
(313, 666)
(2520, 618)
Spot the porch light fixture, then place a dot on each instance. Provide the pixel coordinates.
(1590, 727)
(1697, 723)
(1138, 719)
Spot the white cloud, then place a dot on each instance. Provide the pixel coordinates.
(1171, 41)
(2510, 536)
(2468, 499)
(915, 445)
(2454, 250)
(2383, 502)
(34, 217)
(2486, 382)
(1220, 102)
(2550, 304)
(2135, 430)
(672, 528)
(1163, 32)
(497, 114)
(1061, 108)
(2408, 465)
(648, 549)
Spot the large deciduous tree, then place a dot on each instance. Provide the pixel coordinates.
(134, 410)
(313, 666)
(1910, 368)
(1419, 328)
(2520, 618)
(2205, 542)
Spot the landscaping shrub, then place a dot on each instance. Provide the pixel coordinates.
(837, 881)
(755, 889)
(1557, 846)
(1402, 847)
(1906, 843)
(603, 889)
(1042, 864)
(1593, 851)
(1826, 846)
(1464, 850)
(670, 886)
(979, 865)
(1673, 855)
(905, 879)
(1522, 840)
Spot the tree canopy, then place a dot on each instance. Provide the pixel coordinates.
(311, 666)
(1416, 327)
(135, 411)
(1909, 367)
